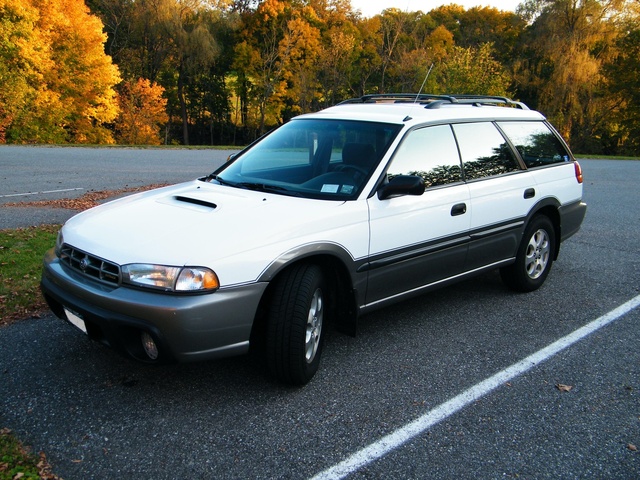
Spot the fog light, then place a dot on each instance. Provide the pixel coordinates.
(150, 347)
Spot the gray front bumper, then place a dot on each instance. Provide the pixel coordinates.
(185, 327)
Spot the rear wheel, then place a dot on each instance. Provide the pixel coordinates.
(534, 257)
(294, 324)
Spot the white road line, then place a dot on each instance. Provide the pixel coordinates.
(40, 193)
(420, 425)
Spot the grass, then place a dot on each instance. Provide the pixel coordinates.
(17, 462)
(21, 252)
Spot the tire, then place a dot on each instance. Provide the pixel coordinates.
(294, 324)
(534, 257)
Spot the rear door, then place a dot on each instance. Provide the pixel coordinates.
(501, 193)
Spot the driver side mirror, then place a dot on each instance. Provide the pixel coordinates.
(401, 185)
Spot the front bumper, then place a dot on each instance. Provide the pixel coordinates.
(184, 327)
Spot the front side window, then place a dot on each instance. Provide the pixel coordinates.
(535, 142)
(484, 151)
(430, 153)
(313, 158)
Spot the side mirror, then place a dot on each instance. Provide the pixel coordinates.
(401, 185)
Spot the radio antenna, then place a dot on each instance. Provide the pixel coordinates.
(423, 82)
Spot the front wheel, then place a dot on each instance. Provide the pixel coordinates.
(294, 325)
(534, 257)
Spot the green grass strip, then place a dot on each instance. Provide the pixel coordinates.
(21, 253)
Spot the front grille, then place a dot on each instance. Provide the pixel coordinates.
(90, 265)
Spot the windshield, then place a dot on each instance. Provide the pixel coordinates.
(328, 159)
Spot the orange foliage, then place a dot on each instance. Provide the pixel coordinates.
(142, 110)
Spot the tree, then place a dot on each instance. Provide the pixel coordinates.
(142, 110)
(59, 80)
(472, 71)
(561, 63)
(258, 63)
(29, 111)
(623, 133)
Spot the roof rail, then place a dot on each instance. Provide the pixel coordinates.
(435, 101)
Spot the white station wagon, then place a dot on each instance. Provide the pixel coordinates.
(328, 217)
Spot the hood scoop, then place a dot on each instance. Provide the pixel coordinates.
(195, 201)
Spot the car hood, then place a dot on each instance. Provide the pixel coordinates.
(196, 223)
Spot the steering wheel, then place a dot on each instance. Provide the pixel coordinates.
(359, 171)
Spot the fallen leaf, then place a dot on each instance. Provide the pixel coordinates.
(564, 388)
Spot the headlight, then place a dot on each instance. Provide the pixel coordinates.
(59, 242)
(176, 279)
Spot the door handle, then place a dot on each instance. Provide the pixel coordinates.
(530, 193)
(458, 209)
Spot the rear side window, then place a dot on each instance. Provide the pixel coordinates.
(430, 153)
(485, 152)
(536, 143)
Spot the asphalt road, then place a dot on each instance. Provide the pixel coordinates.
(30, 174)
(98, 415)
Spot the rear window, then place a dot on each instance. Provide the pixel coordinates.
(536, 143)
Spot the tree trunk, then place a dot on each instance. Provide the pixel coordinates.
(183, 108)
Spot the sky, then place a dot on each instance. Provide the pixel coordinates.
(370, 8)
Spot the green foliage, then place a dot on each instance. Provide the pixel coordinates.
(473, 71)
(17, 462)
(21, 253)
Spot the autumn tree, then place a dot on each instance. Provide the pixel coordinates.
(142, 111)
(367, 61)
(29, 111)
(342, 46)
(622, 135)
(61, 79)
(560, 70)
(472, 71)
(259, 62)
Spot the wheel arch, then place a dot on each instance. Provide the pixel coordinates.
(342, 280)
(549, 207)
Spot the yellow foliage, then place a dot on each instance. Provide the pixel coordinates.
(60, 81)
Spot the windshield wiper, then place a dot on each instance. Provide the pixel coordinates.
(265, 187)
(217, 178)
(257, 186)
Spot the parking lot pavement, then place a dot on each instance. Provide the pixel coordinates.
(98, 415)
(31, 174)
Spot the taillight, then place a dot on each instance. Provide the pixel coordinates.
(578, 169)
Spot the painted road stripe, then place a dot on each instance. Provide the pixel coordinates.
(40, 193)
(420, 425)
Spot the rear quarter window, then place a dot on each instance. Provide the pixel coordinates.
(537, 144)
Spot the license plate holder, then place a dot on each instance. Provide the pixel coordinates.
(76, 320)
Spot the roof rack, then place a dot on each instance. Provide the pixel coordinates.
(435, 101)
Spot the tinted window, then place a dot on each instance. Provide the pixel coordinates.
(430, 153)
(484, 150)
(535, 142)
